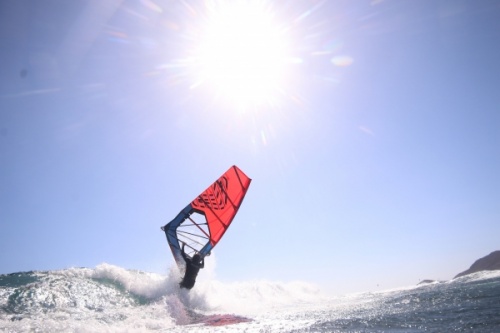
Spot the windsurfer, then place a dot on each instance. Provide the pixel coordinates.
(193, 266)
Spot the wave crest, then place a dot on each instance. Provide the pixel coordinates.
(84, 299)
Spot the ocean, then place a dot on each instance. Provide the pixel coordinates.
(108, 298)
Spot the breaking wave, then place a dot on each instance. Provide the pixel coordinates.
(110, 298)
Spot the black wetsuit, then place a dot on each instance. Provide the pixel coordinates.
(193, 266)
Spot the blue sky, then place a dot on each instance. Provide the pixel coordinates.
(374, 163)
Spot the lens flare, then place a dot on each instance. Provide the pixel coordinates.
(342, 61)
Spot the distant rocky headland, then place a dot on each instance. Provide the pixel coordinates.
(489, 263)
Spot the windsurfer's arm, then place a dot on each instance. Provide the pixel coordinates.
(183, 253)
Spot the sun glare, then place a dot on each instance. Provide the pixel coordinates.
(242, 53)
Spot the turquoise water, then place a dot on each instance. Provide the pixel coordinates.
(112, 299)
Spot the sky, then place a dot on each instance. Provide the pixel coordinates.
(370, 130)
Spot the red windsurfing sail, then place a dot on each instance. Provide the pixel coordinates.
(202, 223)
(220, 201)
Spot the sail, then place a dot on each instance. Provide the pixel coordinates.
(203, 222)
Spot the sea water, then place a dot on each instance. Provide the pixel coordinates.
(113, 299)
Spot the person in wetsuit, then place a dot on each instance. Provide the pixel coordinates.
(193, 266)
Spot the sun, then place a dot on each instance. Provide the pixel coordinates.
(242, 53)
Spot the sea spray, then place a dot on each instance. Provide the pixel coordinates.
(111, 297)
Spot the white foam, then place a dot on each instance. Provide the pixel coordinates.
(144, 284)
(209, 294)
(109, 298)
(482, 275)
(252, 297)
